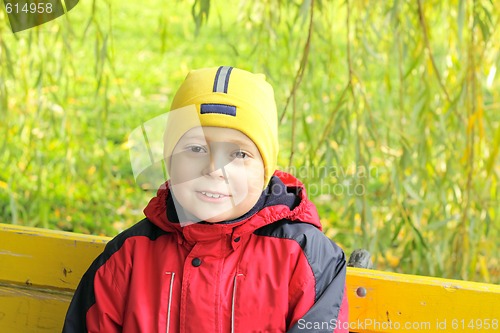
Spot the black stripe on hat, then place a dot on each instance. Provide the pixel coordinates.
(221, 81)
(229, 110)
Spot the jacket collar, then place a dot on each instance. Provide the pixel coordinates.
(304, 212)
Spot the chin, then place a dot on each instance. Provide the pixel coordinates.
(216, 219)
(210, 218)
(213, 220)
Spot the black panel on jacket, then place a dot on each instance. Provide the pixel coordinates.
(84, 295)
(328, 266)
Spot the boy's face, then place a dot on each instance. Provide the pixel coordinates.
(216, 174)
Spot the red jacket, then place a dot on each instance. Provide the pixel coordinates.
(272, 272)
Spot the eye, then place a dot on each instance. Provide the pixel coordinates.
(196, 149)
(240, 154)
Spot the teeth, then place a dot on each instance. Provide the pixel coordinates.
(212, 195)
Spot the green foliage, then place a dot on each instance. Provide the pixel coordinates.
(389, 115)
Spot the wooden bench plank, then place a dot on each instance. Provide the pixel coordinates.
(30, 309)
(39, 270)
(40, 257)
(410, 303)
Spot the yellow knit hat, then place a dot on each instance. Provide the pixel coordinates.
(231, 98)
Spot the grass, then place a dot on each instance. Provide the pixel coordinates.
(393, 125)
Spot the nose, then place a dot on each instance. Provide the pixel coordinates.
(216, 162)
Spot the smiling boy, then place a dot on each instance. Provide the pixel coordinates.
(220, 154)
(229, 244)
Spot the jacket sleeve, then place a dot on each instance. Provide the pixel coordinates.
(97, 303)
(319, 303)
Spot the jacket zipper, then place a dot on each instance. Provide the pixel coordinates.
(234, 301)
(172, 276)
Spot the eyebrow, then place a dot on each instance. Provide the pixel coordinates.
(237, 142)
(191, 137)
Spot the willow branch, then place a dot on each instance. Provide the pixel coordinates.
(303, 63)
(292, 148)
(332, 116)
(429, 50)
(349, 58)
(470, 142)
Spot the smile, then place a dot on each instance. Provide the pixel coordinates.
(213, 195)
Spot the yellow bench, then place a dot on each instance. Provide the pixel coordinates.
(39, 270)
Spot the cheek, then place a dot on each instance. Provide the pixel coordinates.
(256, 175)
(183, 170)
(248, 179)
(182, 193)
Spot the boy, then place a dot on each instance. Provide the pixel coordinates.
(229, 244)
